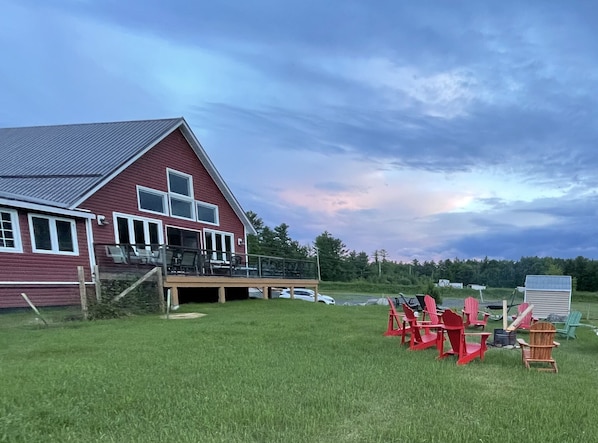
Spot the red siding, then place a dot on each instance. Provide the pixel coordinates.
(174, 152)
(35, 267)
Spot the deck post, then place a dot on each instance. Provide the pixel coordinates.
(174, 296)
(265, 292)
(221, 295)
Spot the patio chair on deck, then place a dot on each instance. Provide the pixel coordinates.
(116, 253)
(539, 348)
(188, 262)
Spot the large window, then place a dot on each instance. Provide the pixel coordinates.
(182, 237)
(141, 232)
(220, 244)
(207, 213)
(10, 237)
(53, 235)
(180, 188)
(151, 200)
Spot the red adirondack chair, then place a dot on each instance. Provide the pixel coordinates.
(396, 323)
(528, 320)
(423, 334)
(464, 350)
(470, 314)
(431, 310)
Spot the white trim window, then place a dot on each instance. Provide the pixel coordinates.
(139, 231)
(207, 213)
(180, 195)
(150, 200)
(53, 235)
(220, 244)
(10, 234)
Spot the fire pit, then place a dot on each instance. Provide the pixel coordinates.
(503, 337)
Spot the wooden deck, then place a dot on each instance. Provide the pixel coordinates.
(174, 282)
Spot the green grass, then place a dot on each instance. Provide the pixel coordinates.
(277, 371)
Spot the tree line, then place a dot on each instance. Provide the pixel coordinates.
(337, 263)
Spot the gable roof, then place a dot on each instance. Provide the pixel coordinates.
(61, 166)
(548, 282)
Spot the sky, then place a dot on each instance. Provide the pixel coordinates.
(433, 130)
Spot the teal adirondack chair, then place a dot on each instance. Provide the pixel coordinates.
(571, 324)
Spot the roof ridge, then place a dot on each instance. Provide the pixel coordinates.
(97, 123)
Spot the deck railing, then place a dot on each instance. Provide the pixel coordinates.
(175, 260)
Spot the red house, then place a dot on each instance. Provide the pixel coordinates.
(66, 189)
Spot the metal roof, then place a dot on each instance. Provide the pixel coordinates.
(548, 282)
(59, 164)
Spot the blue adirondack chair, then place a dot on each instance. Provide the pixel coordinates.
(571, 324)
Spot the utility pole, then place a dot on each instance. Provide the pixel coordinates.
(318, 262)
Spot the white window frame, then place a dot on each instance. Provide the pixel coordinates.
(186, 198)
(225, 253)
(211, 206)
(16, 231)
(180, 174)
(53, 235)
(161, 194)
(130, 219)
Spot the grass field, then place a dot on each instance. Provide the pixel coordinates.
(277, 371)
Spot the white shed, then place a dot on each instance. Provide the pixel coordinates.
(550, 294)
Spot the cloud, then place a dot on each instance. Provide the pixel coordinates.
(429, 129)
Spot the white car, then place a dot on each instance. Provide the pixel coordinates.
(307, 295)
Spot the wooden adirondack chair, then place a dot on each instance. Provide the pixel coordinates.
(571, 324)
(470, 314)
(396, 324)
(528, 320)
(539, 348)
(423, 334)
(464, 350)
(431, 310)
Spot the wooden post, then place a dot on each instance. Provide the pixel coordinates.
(160, 285)
(137, 283)
(174, 296)
(82, 292)
(504, 314)
(221, 295)
(520, 318)
(265, 292)
(30, 303)
(98, 282)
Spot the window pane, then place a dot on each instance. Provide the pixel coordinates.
(138, 231)
(6, 231)
(179, 184)
(181, 208)
(190, 239)
(209, 241)
(41, 233)
(174, 236)
(65, 236)
(153, 232)
(151, 201)
(123, 230)
(206, 213)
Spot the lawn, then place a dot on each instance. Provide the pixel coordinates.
(278, 371)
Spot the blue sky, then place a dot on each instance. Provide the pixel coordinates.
(429, 129)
